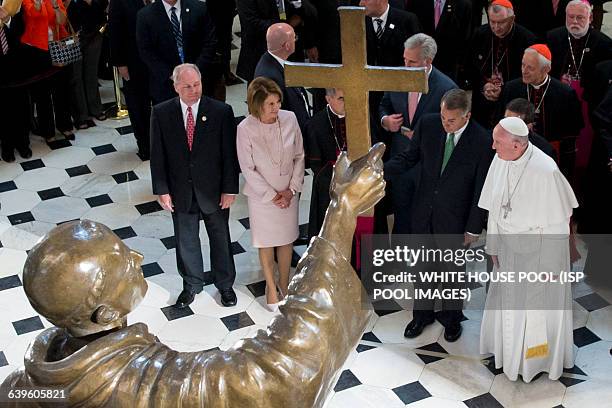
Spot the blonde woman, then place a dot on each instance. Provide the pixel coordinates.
(271, 156)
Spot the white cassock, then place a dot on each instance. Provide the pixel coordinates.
(528, 326)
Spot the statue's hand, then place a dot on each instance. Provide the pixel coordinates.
(357, 186)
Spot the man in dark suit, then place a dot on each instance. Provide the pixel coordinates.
(222, 12)
(14, 102)
(522, 108)
(124, 55)
(280, 39)
(256, 16)
(558, 112)
(449, 23)
(540, 16)
(387, 29)
(454, 154)
(171, 32)
(194, 172)
(399, 114)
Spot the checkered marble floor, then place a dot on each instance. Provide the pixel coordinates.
(98, 176)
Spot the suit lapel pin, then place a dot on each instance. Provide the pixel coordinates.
(587, 49)
(391, 26)
(186, 10)
(203, 118)
(479, 56)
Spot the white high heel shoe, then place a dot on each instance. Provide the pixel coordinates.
(272, 307)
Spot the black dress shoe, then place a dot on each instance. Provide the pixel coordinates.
(415, 328)
(228, 297)
(8, 155)
(25, 152)
(185, 299)
(453, 332)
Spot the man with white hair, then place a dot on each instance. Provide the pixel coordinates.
(495, 54)
(527, 325)
(577, 48)
(194, 173)
(557, 109)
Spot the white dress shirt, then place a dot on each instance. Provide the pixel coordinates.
(383, 17)
(194, 111)
(459, 133)
(178, 11)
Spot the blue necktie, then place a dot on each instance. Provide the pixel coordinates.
(176, 30)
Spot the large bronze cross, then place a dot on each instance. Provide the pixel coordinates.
(356, 78)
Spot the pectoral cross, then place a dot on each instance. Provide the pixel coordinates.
(356, 79)
(506, 207)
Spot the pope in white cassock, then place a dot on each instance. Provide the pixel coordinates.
(527, 325)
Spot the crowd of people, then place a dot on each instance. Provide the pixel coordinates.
(535, 77)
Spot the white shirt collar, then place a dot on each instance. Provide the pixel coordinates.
(383, 17)
(178, 9)
(279, 59)
(460, 132)
(334, 112)
(194, 110)
(542, 84)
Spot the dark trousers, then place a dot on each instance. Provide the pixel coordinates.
(189, 253)
(51, 96)
(451, 310)
(85, 91)
(15, 117)
(52, 100)
(136, 92)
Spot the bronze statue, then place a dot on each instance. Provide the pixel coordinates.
(85, 280)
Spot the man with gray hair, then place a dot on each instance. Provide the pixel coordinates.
(558, 114)
(527, 326)
(577, 48)
(494, 58)
(454, 155)
(399, 114)
(194, 172)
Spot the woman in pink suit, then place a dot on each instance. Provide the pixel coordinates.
(271, 156)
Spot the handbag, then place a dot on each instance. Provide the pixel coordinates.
(67, 50)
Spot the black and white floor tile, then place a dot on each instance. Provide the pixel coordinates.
(100, 177)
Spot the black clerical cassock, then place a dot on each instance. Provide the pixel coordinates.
(326, 138)
(494, 59)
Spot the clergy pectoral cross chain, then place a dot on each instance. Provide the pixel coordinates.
(507, 208)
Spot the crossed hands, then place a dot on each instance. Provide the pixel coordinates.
(283, 199)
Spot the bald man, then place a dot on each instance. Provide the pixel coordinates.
(280, 40)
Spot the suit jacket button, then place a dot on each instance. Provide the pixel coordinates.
(435, 191)
(189, 181)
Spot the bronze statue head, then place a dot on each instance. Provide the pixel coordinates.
(82, 277)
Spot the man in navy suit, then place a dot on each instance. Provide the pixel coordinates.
(280, 39)
(400, 112)
(454, 153)
(172, 32)
(122, 16)
(194, 171)
(449, 22)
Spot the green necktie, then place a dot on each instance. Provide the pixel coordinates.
(448, 150)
